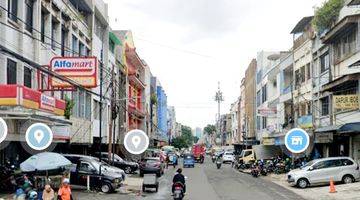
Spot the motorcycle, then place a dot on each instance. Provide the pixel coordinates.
(213, 158)
(255, 172)
(178, 191)
(218, 163)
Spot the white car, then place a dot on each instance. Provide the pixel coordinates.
(228, 157)
(320, 171)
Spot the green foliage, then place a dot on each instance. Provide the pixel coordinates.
(210, 129)
(179, 142)
(69, 104)
(185, 140)
(327, 14)
(153, 99)
(196, 139)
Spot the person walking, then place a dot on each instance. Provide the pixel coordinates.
(48, 193)
(167, 161)
(64, 192)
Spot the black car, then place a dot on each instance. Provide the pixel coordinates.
(117, 161)
(100, 178)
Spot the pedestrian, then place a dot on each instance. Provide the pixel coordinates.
(64, 192)
(167, 160)
(48, 193)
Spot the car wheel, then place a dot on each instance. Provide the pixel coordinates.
(302, 183)
(141, 174)
(106, 188)
(348, 179)
(128, 170)
(158, 174)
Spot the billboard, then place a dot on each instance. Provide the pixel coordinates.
(82, 70)
(346, 101)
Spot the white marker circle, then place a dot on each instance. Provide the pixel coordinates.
(129, 141)
(304, 147)
(30, 131)
(5, 130)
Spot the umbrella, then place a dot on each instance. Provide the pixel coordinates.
(44, 161)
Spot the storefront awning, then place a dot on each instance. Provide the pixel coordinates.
(345, 128)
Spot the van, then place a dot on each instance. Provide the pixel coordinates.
(320, 171)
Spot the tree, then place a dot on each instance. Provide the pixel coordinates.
(326, 15)
(179, 142)
(185, 140)
(69, 104)
(210, 129)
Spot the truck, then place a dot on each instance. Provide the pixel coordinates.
(198, 150)
(259, 152)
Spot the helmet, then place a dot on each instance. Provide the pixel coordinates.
(33, 195)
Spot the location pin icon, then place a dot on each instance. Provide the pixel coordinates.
(39, 135)
(136, 141)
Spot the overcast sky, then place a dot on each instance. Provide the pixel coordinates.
(190, 45)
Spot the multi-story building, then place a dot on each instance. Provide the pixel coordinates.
(225, 129)
(234, 113)
(34, 32)
(162, 112)
(136, 83)
(171, 122)
(250, 106)
(198, 132)
(303, 34)
(339, 94)
(265, 62)
(241, 120)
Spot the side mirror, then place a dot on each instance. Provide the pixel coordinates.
(310, 169)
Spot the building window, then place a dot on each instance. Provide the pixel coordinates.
(264, 93)
(82, 50)
(258, 120)
(12, 9)
(64, 35)
(27, 77)
(11, 71)
(74, 45)
(54, 25)
(302, 74)
(43, 26)
(264, 123)
(258, 98)
(29, 5)
(88, 107)
(308, 71)
(324, 106)
(346, 45)
(324, 62)
(309, 110)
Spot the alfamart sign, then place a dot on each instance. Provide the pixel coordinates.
(79, 69)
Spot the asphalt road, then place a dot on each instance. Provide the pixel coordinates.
(206, 182)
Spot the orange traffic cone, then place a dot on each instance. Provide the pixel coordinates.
(332, 186)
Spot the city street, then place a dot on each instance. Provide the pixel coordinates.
(205, 181)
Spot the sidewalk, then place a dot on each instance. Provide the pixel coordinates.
(344, 191)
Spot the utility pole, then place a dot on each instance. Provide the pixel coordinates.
(101, 99)
(219, 98)
(113, 114)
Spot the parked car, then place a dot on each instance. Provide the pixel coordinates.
(100, 177)
(75, 158)
(127, 166)
(320, 171)
(188, 161)
(228, 157)
(151, 165)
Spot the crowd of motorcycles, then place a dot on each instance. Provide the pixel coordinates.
(263, 168)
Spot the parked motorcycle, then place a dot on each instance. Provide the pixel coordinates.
(255, 172)
(178, 191)
(213, 158)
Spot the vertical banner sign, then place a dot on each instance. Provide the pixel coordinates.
(82, 70)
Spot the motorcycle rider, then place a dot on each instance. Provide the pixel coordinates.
(179, 178)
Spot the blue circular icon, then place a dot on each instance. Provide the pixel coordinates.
(39, 136)
(297, 140)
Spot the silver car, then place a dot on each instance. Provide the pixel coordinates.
(322, 170)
